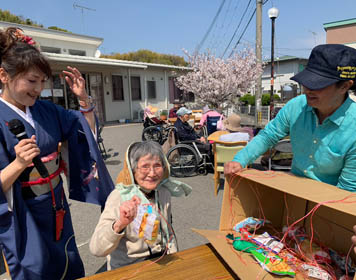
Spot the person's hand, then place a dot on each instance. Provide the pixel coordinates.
(232, 167)
(76, 83)
(128, 211)
(202, 139)
(25, 151)
(353, 238)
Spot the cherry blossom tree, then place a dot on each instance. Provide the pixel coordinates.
(217, 82)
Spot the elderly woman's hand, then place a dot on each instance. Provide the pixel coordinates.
(128, 211)
(232, 167)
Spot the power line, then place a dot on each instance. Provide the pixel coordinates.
(215, 38)
(210, 27)
(238, 26)
(249, 21)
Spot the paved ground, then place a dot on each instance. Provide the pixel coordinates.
(200, 210)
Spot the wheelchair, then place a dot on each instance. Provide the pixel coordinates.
(186, 159)
(156, 131)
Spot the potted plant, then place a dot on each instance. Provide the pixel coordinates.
(163, 115)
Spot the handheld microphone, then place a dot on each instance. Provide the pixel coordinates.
(18, 129)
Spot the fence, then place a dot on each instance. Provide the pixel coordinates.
(247, 114)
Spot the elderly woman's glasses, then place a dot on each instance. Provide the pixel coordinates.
(147, 169)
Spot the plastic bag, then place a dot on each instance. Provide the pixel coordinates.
(146, 224)
(220, 123)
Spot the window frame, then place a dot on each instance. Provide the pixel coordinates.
(132, 89)
(113, 89)
(154, 88)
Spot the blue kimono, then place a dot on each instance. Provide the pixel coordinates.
(27, 232)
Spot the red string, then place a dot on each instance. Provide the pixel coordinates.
(311, 213)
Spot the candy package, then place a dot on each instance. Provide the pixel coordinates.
(273, 263)
(146, 224)
(316, 272)
(250, 224)
(268, 242)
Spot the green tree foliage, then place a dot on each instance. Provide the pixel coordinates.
(266, 98)
(59, 29)
(149, 57)
(247, 99)
(8, 17)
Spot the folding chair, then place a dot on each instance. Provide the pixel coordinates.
(224, 152)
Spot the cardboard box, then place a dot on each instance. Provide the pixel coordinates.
(281, 195)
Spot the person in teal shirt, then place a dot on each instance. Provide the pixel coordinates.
(321, 123)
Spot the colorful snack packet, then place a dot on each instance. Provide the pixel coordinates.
(268, 242)
(146, 224)
(272, 263)
(250, 224)
(316, 272)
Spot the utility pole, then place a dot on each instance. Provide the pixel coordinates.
(258, 92)
(82, 8)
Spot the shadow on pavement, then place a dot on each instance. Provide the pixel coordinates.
(103, 268)
(112, 162)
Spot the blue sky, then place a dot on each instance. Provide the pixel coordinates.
(168, 26)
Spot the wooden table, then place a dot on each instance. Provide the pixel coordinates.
(201, 262)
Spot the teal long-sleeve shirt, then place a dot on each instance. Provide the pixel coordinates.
(324, 152)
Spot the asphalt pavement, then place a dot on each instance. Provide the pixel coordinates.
(201, 209)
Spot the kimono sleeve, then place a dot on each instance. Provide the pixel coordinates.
(89, 179)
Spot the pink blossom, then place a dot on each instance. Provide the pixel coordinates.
(218, 82)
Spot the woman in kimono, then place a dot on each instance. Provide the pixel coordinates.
(36, 233)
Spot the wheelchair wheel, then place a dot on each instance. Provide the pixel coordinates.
(183, 160)
(152, 133)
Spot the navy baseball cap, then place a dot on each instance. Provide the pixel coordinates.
(327, 65)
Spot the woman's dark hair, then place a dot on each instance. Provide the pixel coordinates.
(19, 57)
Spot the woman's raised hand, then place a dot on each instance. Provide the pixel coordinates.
(76, 82)
(128, 212)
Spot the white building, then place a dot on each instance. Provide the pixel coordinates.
(285, 67)
(121, 89)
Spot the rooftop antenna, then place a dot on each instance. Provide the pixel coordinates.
(83, 8)
(314, 35)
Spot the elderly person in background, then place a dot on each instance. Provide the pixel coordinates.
(185, 131)
(208, 112)
(143, 182)
(176, 105)
(236, 133)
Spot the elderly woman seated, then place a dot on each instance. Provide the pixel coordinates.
(136, 223)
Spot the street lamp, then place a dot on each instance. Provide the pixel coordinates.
(273, 14)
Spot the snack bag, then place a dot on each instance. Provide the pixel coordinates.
(316, 272)
(273, 263)
(250, 224)
(268, 242)
(146, 224)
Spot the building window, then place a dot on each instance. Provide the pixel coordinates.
(151, 89)
(117, 88)
(174, 92)
(77, 52)
(135, 88)
(50, 49)
(188, 97)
